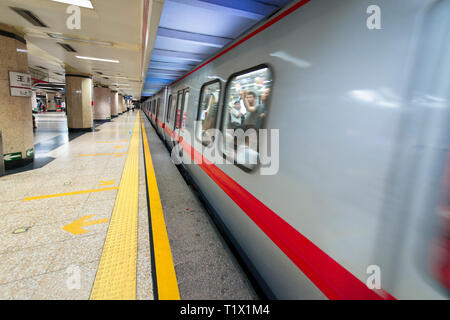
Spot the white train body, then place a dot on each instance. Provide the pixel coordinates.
(363, 122)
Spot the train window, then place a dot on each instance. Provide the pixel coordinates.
(157, 108)
(207, 109)
(245, 108)
(169, 108)
(185, 107)
(178, 112)
(173, 108)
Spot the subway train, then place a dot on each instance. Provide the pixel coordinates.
(341, 190)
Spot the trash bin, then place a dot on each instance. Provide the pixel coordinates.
(2, 163)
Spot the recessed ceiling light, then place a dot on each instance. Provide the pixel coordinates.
(80, 3)
(120, 84)
(67, 38)
(117, 77)
(97, 59)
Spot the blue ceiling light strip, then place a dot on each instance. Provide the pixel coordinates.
(196, 38)
(251, 6)
(242, 8)
(180, 55)
(172, 66)
(160, 80)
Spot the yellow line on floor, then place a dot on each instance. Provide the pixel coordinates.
(116, 274)
(101, 154)
(166, 278)
(69, 193)
(117, 141)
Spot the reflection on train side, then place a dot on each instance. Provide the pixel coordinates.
(440, 248)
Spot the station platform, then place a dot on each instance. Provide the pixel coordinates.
(106, 215)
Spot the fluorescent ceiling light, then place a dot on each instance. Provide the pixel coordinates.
(61, 37)
(22, 50)
(117, 77)
(97, 59)
(80, 3)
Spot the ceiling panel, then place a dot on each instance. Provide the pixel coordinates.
(114, 29)
(190, 31)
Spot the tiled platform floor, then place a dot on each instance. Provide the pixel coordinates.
(45, 261)
(41, 260)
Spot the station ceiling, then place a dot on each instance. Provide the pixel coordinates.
(112, 29)
(154, 41)
(191, 31)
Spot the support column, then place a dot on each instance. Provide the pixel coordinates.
(120, 103)
(114, 104)
(79, 95)
(33, 101)
(102, 104)
(16, 121)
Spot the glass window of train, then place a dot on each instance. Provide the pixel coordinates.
(172, 109)
(185, 106)
(244, 111)
(207, 110)
(158, 103)
(178, 112)
(169, 108)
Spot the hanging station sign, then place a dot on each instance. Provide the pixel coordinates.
(19, 84)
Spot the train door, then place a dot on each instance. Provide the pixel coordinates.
(180, 119)
(169, 120)
(177, 117)
(158, 102)
(184, 111)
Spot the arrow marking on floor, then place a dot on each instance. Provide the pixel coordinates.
(76, 227)
(106, 183)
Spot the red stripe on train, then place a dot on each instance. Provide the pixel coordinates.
(330, 277)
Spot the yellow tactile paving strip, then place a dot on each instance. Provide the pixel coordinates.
(116, 274)
(166, 278)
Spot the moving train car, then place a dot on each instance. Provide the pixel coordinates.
(349, 195)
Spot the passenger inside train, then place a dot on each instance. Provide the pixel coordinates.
(247, 98)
